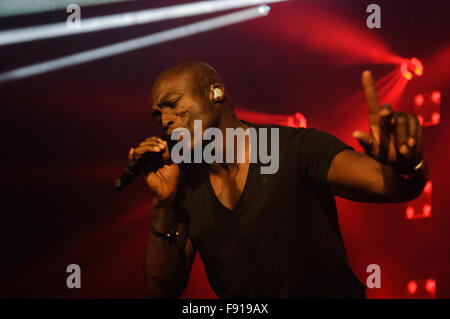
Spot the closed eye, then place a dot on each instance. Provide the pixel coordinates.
(172, 104)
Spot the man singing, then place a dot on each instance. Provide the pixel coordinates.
(267, 235)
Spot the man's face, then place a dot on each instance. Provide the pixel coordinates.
(177, 103)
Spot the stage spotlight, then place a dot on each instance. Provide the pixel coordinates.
(127, 19)
(430, 286)
(418, 100)
(428, 108)
(435, 118)
(264, 9)
(404, 71)
(436, 97)
(409, 212)
(134, 44)
(410, 67)
(421, 288)
(421, 206)
(417, 66)
(298, 120)
(426, 210)
(412, 287)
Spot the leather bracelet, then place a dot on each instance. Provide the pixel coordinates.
(172, 235)
(418, 166)
(414, 170)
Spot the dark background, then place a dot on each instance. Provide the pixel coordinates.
(65, 136)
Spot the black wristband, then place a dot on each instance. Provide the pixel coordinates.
(172, 235)
(417, 169)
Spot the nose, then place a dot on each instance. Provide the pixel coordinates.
(167, 121)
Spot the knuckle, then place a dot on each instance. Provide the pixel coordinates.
(149, 139)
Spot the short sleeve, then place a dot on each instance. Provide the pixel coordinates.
(316, 152)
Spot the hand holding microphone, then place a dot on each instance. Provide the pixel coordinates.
(152, 159)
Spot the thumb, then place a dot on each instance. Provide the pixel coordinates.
(364, 139)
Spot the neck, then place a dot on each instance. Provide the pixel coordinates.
(230, 120)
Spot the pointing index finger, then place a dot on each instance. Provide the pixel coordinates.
(370, 92)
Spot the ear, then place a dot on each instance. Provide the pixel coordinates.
(216, 93)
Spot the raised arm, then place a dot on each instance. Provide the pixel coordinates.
(393, 168)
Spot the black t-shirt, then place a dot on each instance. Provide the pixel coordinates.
(282, 239)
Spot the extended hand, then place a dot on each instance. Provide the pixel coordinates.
(395, 137)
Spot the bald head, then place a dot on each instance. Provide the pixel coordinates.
(197, 76)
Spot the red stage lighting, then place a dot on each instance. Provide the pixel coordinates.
(420, 118)
(404, 71)
(435, 118)
(428, 188)
(417, 66)
(334, 34)
(409, 212)
(436, 97)
(418, 100)
(428, 108)
(430, 286)
(412, 287)
(426, 210)
(298, 120)
(421, 288)
(421, 206)
(410, 67)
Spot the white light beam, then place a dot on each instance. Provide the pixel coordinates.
(134, 44)
(20, 7)
(123, 20)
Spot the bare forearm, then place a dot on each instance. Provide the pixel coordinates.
(165, 260)
(358, 177)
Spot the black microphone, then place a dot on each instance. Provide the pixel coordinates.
(148, 162)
